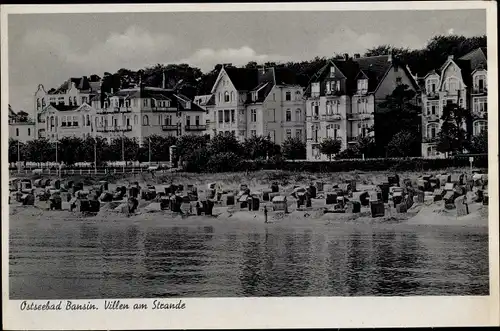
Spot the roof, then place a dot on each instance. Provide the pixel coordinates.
(375, 68)
(204, 100)
(243, 79)
(348, 68)
(81, 83)
(177, 100)
(268, 78)
(477, 58)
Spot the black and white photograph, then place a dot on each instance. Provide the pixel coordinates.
(173, 155)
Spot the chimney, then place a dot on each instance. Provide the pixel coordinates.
(164, 81)
(262, 70)
(346, 56)
(389, 59)
(357, 56)
(450, 57)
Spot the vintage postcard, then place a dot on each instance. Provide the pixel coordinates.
(272, 165)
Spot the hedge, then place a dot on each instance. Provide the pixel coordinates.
(389, 164)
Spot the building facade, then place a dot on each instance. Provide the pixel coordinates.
(257, 102)
(462, 82)
(342, 98)
(21, 128)
(67, 99)
(144, 111)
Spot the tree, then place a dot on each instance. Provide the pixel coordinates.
(365, 146)
(22, 116)
(403, 144)
(260, 147)
(188, 144)
(452, 137)
(40, 150)
(70, 150)
(222, 143)
(330, 146)
(130, 149)
(294, 149)
(160, 148)
(398, 113)
(16, 149)
(479, 143)
(98, 146)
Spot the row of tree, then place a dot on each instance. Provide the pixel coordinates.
(192, 81)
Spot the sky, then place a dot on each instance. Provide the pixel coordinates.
(49, 48)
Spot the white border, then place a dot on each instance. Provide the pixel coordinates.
(305, 312)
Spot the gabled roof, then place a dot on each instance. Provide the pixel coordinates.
(204, 100)
(375, 68)
(477, 58)
(243, 79)
(81, 83)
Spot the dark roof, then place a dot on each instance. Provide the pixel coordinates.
(243, 79)
(269, 78)
(477, 58)
(176, 99)
(375, 67)
(81, 83)
(205, 100)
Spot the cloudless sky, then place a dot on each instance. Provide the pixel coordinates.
(49, 48)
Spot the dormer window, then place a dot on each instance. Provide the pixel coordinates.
(254, 96)
(315, 89)
(430, 85)
(362, 85)
(332, 71)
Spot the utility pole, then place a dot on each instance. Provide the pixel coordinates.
(18, 158)
(95, 155)
(149, 141)
(123, 152)
(57, 163)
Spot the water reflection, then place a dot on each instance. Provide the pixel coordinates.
(97, 260)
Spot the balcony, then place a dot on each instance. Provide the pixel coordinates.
(361, 92)
(333, 93)
(195, 127)
(359, 116)
(432, 95)
(431, 117)
(162, 109)
(479, 115)
(169, 127)
(332, 117)
(479, 91)
(430, 140)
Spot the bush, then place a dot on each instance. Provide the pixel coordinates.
(223, 162)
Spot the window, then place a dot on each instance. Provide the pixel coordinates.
(226, 96)
(480, 105)
(315, 107)
(253, 115)
(362, 85)
(168, 120)
(272, 136)
(145, 120)
(75, 121)
(128, 121)
(17, 132)
(136, 119)
(288, 96)
(398, 80)
(253, 133)
(272, 115)
(96, 122)
(226, 115)
(145, 102)
(288, 133)
(88, 120)
(221, 119)
(298, 133)
(115, 122)
(74, 101)
(480, 126)
(220, 97)
(288, 115)
(188, 120)
(274, 97)
(232, 96)
(43, 102)
(315, 130)
(332, 71)
(363, 129)
(134, 102)
(432, 130)
(29, 132)
(315, 89)
(197, 120)
(328, 108)
(298, 115)
(38, 104)
(232, 116)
